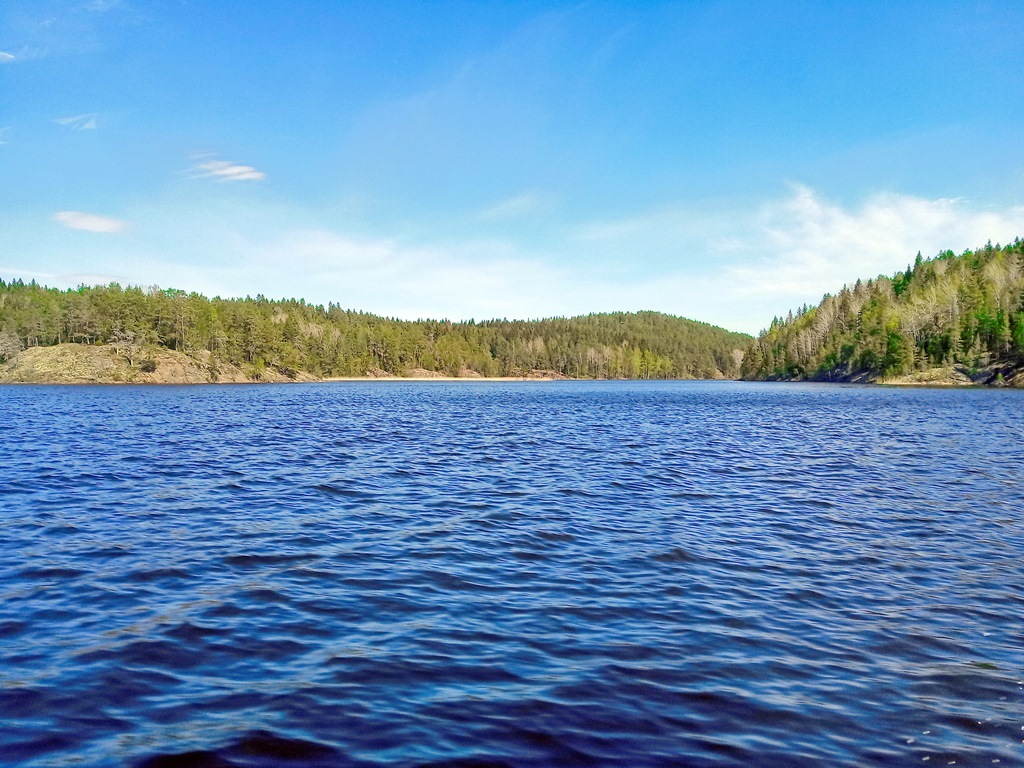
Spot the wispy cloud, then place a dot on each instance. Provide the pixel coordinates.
(808, 245)
(102, 6)
(86, 122)
(2, 132)
(225, 170)
(388, 276)
(6, 58)
(89, 222)
(514, 207)
(740, 264)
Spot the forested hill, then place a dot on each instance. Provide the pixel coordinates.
(265, 338)
(946, 318)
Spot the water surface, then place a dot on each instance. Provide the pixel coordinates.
(511, 574)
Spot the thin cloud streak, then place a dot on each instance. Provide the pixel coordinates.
(102, 6)
(89, 222)
(86, 122)
(225, 170)
(514, 207)
(6, 57)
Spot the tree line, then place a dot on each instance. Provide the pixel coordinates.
(291, 335)
(963, 310)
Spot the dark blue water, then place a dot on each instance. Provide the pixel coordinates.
(491, 574)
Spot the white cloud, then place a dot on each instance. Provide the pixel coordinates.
(86, 122)
(6, 57)
(224, 170)
(739, 265)
(809, 246)
(89, 222)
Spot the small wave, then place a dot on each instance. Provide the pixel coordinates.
(676, 555)
(146, 654)
(191, 633)
(53, 572)
(335, 490)
(156, 574)
(254, 561)
(12, 628)
(257, 750)
(467, 762)
(194, 759)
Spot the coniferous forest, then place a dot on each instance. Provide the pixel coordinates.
(964, 311)
(291, 337)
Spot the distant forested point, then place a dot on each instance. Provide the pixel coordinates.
(948, 319)
(267, 339)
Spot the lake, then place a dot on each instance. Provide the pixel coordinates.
(511, 574)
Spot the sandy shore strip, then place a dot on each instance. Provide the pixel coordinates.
(422, 374)
(442, 379)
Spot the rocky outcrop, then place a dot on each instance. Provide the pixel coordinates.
(86, 364)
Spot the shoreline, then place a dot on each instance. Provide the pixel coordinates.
(492, 380)
(332, 380)
(104, 364)
(448, 379)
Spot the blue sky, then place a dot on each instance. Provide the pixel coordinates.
(725, 161)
